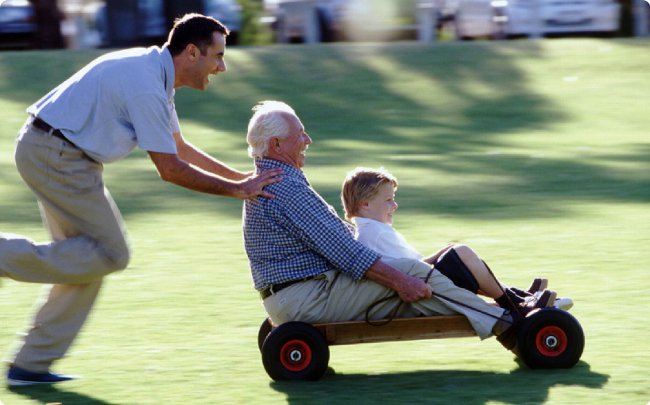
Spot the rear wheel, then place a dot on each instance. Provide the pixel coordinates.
(265, 328)
(295, 351)
(550, 338)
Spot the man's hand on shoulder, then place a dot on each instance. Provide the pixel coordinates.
(253, 186)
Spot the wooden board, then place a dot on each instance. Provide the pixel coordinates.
(431, 327)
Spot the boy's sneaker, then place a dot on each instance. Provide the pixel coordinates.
(543, 299)
(18, 377)
(564, 303)
(538, 284)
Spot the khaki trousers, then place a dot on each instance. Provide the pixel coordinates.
(89, 242)
(334, 297)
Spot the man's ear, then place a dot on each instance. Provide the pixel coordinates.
(275, 144)
(192, 51)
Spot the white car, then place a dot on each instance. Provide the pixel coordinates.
(560, 16)
(494, 18)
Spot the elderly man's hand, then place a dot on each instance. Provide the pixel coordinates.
(413, 289)
(409, 288)
(252, 187)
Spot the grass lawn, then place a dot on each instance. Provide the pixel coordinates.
(535, 153)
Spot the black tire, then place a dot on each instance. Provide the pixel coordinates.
(265, 329)
(295, 351)
(550, 338)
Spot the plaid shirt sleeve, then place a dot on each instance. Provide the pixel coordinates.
(317, 224)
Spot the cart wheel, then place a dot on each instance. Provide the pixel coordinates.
(550, 338)
(295, 351)
(265, 328)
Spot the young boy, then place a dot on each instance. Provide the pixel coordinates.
(368, 197)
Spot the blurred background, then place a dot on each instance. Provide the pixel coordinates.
(48, 24)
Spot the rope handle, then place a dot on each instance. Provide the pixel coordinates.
(391, 316)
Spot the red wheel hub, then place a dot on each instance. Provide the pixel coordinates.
(551, 341)
(295, 355)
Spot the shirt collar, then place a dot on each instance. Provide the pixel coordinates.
(362, 221)
(289, 170)
(168, 71)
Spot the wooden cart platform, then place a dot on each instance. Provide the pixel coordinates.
(430, 327)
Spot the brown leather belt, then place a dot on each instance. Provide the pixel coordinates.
(275, 288)
(44, 126)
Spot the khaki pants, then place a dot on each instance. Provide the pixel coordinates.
(335, 297)
(88, 236)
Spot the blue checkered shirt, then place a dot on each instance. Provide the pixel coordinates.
(297, 234)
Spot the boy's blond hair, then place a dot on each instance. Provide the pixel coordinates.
(362, 184)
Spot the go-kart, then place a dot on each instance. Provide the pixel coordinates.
(547, 338)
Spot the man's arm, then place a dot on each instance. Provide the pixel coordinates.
(173, 169)
(194, 156)
(409, 288)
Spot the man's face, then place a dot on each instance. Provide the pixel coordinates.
(292, 149)
(382, 206)
(209, 64)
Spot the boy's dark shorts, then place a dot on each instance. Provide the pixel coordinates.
(454, 269)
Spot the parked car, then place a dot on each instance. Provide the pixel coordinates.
(562, 16)
(17, 27)
(494, 18)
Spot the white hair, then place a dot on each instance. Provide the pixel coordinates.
(268, 121)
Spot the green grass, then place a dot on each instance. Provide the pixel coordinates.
(535, 153)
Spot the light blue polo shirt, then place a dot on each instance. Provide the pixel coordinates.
(118, 101)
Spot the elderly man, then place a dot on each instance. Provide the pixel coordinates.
(308, 267)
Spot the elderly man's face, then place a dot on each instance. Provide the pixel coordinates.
(292, 149)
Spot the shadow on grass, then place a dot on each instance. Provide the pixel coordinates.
(519, 386)
(439, 108)
(52, 394)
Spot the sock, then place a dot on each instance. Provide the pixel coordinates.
(509, 300)
(514, 296)
(504, 323)
(503, 302)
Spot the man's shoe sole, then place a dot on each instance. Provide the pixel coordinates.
(21, 383)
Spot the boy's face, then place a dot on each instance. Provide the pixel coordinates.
(382, 206)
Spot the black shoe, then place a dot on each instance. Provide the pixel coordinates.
(542, 299)
(18, 377)
(546, 299)
(538, 284)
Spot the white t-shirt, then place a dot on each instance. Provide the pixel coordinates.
(383, 239)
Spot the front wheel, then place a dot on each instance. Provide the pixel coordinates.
(550, 338)
(295, 351)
